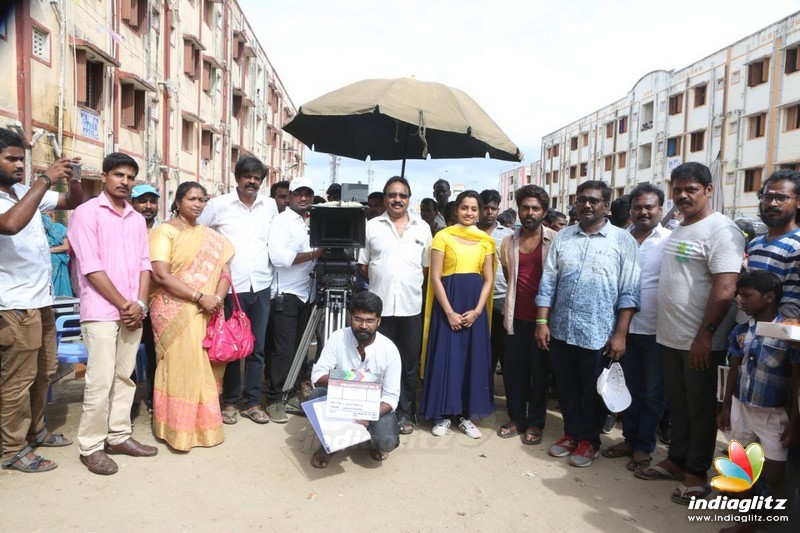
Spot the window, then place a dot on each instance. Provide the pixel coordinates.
(555, 150)
(790, 166)
(676, 104)
(571, 199)
(573, 172)
(573, 143)
(645, 156)
(609, 130)
(585, 139)
(609, 162)
(133, 13)
(89, 81)
(756, 126)
(584, 169)
(554, 203)
(191, 59)
(752, 179)
(736, 77)
(548, 178)
(555, 176)
(792, 56)
(793, 118)
(41, 44)
(674, 146)
(622, 160)
(619, 192)
(623, 124)
(209, 12)
(206, 144)
(696, 141)
(733, 128)
(210, 77)
(758, 72)
(132, 111)
(700, 96)
(187, 135)
(236, 107)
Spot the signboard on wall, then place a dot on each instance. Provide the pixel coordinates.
(673, 163)
(90, 125)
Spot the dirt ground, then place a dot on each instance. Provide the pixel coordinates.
(260, 479)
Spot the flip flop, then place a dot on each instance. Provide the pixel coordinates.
(660, 473)
(320, 458)
(507, 431)
(622, 449)
(405, 427)
(642, 464)
(532, 437)
(256, 415)
(683, 494)
(52, 440)
(378, 455)
(229, 417)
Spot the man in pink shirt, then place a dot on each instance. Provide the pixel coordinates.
(109, 239)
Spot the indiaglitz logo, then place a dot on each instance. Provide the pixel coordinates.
(741, 470)
(683, 252)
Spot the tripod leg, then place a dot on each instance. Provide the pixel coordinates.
(302, 350)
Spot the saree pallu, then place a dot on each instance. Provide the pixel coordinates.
(186, 410)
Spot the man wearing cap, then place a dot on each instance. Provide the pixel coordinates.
(144, 199)
(293, 258)
(244, 217)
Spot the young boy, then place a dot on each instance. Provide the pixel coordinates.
(760, 402)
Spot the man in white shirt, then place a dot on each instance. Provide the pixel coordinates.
(244, 216)
(362, 347)
(643, 363)
(293, 259)
(394, 261)
(28, 356)
(488, 224)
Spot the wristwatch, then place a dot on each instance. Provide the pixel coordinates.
(711, 327)
(144, 307)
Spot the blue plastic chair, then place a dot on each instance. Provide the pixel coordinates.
(69, 351)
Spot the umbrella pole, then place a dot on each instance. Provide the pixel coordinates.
(403, 169)
(405, 151)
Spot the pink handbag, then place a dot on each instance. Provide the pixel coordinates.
(232, 339)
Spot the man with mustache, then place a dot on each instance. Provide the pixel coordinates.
(441, 192)
(702, 259)
(244, 217)
(362, 347)
(643, 364)
(587, 297)
(28, 357)
(394, 261)
(293, 258)
(112, 258)
(525, 371)
(778, 250)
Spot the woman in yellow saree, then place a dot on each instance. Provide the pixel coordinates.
(188, 260)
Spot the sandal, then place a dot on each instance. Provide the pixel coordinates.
(405, 427)
(229, 416)
(378, 455)
(507, 431)
(622, 449)
(651, 473)
(35, 465)
(533, 436)
(256, 414)
(684, 495)
(51, 440)
(640, 464)
(320, 458)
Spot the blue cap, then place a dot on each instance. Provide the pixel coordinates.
(144, 188)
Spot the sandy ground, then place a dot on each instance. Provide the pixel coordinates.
(260, 479)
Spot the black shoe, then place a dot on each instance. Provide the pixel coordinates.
(611, 422)
(665, 433)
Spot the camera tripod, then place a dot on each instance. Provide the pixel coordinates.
(329, 306)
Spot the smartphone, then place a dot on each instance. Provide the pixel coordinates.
(76, 171)
(277, 303)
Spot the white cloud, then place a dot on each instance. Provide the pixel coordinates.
(532, 65)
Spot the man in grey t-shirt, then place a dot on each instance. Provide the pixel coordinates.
(702, 259)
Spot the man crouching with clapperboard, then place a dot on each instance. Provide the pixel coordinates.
(347, 408)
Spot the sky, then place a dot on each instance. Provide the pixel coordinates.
(533, 66)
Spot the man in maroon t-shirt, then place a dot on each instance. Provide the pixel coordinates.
(525, 371)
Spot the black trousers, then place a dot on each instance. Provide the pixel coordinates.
(526, 377)
(406, 333)
(287, 328)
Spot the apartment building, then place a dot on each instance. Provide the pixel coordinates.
(182, 86)
(741, 104)
(510, 181)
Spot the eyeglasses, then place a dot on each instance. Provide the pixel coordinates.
(358, 320)
(401, 195)
(594, 202)
(769, 197)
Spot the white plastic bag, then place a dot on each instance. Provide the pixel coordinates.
(611, 386)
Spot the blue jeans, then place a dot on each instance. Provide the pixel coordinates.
(384, 431)
(526, 377)
(643, 365)
(576, 370)
(256, 306)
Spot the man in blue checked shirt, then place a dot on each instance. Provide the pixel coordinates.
(587, 297)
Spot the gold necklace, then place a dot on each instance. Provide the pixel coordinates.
(182, 223)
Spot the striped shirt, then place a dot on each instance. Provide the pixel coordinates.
(780, 257)
(764, 370)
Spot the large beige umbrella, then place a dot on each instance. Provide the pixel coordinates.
(398, 119)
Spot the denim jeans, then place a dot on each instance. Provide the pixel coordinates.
(526, 377)
(384, 433)
(643, 365)
(406, 333)
(576, 370)
(692, 398)
(256, 306)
